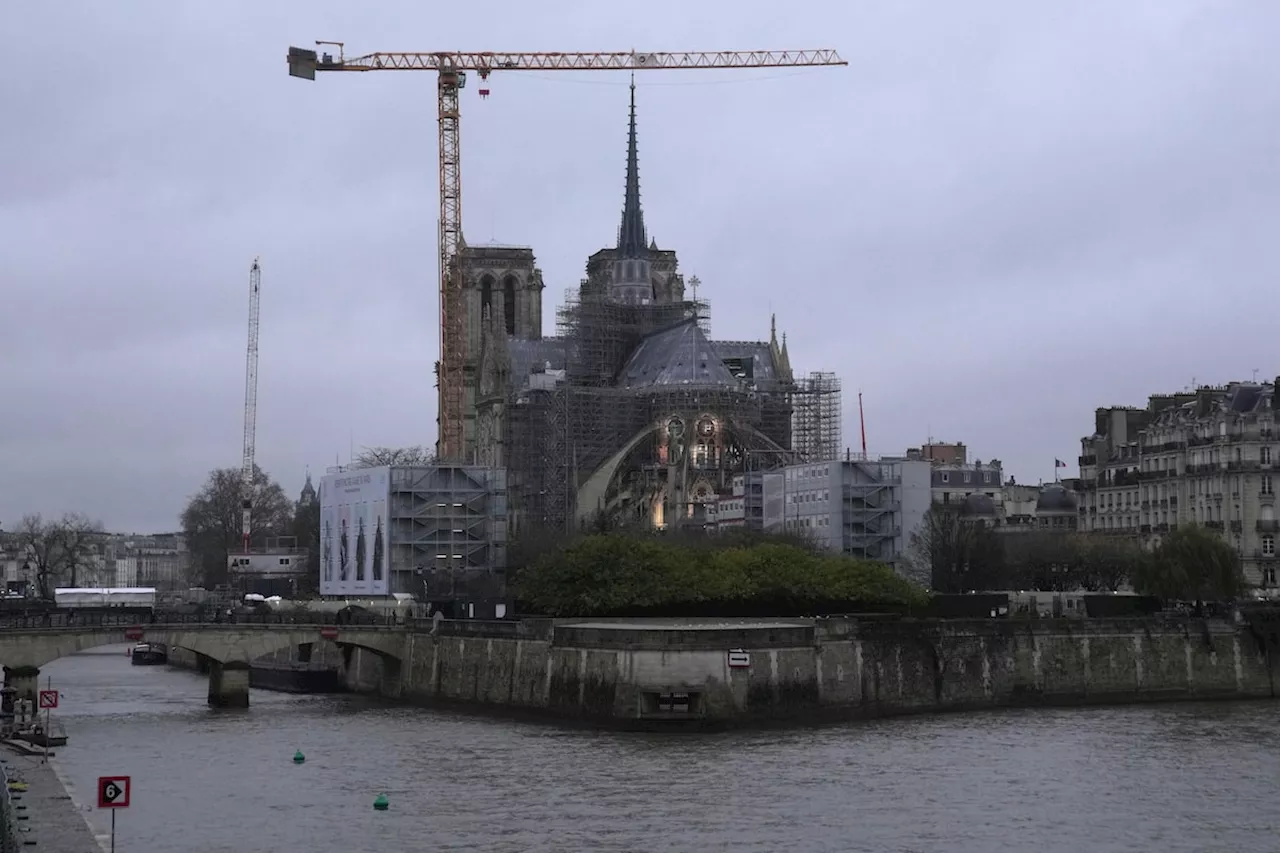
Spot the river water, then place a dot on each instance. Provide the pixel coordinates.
(1167, 778)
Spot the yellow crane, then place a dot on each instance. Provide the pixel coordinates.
(451, 68)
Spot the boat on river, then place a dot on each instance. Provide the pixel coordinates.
(37, 735)
(148, 654)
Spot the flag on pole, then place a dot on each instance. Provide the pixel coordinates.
(1058, 463)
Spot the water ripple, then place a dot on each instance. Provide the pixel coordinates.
(1177, 779)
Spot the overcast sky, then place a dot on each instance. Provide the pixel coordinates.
(1000, 216)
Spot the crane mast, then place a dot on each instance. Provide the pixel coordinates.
(451, 68)
(250, 404)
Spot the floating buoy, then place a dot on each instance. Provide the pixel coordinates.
(298, 757)
(380, 803)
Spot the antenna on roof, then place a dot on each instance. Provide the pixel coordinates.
(1255, 374)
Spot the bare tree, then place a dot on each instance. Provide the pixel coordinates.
(212, 520)
(59, 551)
(376, 457)
(956, 554)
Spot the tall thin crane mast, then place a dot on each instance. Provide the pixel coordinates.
(250, 403)
(451, 68)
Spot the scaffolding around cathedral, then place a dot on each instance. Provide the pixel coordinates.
(565, 426)
(817, 417)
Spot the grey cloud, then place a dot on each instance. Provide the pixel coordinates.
(1000, 216)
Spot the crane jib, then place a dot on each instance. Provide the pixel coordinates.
(450, 65)
(304, 62)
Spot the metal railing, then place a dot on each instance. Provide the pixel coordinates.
(62, 621)
(10, 837)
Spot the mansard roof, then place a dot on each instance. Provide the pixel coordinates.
(678, 356)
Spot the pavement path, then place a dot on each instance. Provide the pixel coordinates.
(54, 820)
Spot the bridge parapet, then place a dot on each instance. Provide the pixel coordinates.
(229, 647)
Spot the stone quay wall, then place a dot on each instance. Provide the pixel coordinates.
(739, 672)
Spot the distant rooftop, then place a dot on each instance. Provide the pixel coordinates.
(495, 245)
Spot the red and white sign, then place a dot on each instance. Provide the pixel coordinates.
(329, 632)
(48, 700)
(113, 792)
(134, 633)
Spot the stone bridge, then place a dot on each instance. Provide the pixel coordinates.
(228, 649)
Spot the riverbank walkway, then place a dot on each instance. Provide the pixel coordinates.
(53, 820)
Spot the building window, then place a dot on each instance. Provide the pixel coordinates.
(1266, 484)
(967, 476)
(1266, 455)
(1269, 576)
(946, 478)
(986, 476)
(509, 303)
(1268, 546)
(486, 296)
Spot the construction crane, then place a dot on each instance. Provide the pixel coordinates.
(451, 68)
(250, 403)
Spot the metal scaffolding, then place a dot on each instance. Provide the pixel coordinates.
(448, 530)
(563, 429)
(817, 417)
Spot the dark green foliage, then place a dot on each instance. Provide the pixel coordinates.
(622, 574)
(1192, 563)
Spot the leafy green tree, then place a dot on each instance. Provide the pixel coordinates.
(621, 574)
(1192, 563)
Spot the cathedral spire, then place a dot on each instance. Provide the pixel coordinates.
(631, 234)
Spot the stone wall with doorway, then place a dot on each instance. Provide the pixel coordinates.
(656, 673)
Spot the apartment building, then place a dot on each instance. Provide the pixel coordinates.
(1204, 457)
(953, 477)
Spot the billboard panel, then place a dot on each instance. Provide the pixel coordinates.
(355, 532)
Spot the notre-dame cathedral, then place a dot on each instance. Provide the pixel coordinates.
(630, 411)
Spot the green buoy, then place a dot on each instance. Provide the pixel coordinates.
(298, 757)
(380, 803)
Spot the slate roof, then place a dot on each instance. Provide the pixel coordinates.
(678, 356)
(758, 352)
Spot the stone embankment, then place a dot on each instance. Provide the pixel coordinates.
(644, 673)
(47, 814)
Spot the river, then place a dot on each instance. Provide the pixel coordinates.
(1167, 778)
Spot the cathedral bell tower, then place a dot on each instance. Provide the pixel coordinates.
(630, 281)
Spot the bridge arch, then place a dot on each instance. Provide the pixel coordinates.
(229, 650)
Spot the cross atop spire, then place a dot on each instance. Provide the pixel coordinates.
(632, 242)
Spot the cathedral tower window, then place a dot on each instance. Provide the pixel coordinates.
(486, 296)
(509, 303)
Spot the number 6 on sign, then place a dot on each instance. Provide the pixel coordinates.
(113, 792)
